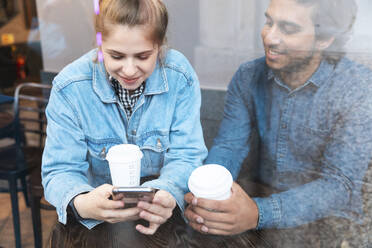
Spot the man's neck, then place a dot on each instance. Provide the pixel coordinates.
(297, 78)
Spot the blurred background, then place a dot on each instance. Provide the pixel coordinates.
(215, 35)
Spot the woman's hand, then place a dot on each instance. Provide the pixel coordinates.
(97, 205)
(157, 212)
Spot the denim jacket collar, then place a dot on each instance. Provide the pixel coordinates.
(101, 84)
(322, 74)
(156, 83)
(318, 78)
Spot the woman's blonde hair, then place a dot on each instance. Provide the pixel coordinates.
(152, 13)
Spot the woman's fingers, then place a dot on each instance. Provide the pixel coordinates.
(164, 199)
(155, 209)
(152, 218)
(160, 209)
(97, 205)
(148, 230)
(154, 212)
(110, 204)
(157, 212)
(114, 216)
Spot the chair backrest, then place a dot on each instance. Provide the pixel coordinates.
(30, 100)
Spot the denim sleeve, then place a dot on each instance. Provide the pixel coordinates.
(64, 164)
(345, 161)
(187, 149)
(232, 143)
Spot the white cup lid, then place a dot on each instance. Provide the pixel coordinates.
(210, 181)
(124, 153)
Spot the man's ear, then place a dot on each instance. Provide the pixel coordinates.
(323, 44)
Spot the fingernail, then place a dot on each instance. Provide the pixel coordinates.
(204, 229)
(194, 201)
(199, 220)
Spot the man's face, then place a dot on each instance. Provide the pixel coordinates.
(289, 36)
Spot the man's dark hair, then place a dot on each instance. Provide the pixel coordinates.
(333, 18)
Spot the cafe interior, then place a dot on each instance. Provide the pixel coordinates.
(38, 38)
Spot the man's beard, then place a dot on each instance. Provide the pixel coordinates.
(296, 65)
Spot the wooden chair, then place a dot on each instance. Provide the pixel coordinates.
(20, 158)
(39, 95)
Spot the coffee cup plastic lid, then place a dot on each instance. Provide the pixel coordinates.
(210, 180)
(124, 153)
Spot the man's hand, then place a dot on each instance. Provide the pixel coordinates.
(97, 205)
(227, 217)
(157, 212)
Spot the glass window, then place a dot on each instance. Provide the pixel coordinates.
(307, 99)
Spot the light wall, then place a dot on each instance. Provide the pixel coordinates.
(216, 35)
(66, 31)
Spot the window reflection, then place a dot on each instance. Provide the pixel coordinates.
(313, 131)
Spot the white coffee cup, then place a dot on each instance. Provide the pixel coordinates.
(211, 181)
(125, 165)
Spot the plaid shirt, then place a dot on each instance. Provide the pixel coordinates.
(127, 100)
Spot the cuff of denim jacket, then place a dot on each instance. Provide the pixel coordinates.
(170, 187)
(88, 223)
(62, 210)
(269, 214)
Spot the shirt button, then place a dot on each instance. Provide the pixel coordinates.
(134, 132)
(284, 126)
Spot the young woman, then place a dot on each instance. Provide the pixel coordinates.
(139, 94)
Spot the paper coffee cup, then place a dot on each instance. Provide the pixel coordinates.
(125, 165)
(211, 181)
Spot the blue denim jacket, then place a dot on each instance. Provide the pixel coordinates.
(315, 142)
(85, 119)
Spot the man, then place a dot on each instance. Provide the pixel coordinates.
(312, 111)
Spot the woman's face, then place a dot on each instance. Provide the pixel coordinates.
(129, 54)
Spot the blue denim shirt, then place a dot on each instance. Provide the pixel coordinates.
(85, 119)
(315, 141)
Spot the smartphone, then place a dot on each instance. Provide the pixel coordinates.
(132, 195)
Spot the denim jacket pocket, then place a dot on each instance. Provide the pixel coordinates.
(309, 142)
(154, 145)
(99, 171)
